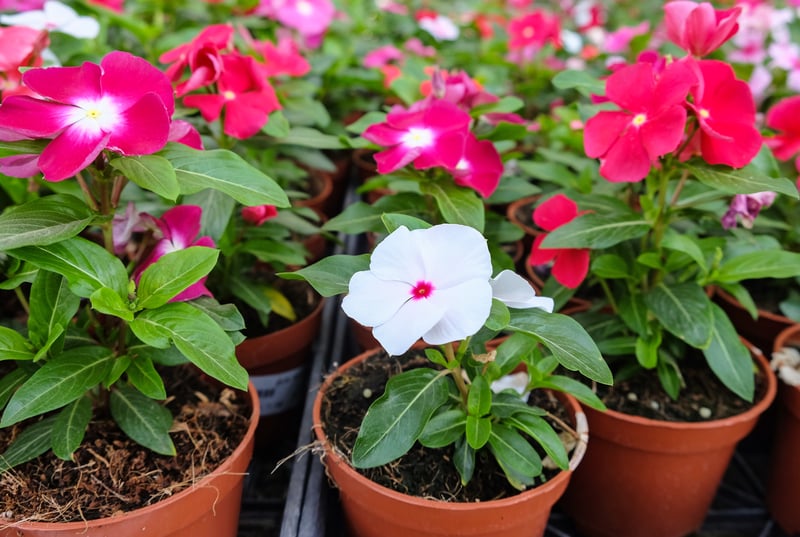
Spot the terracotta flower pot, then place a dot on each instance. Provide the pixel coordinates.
(209, 508)
(277, 364)
(655, 478)
(372, 510)
(783, 484)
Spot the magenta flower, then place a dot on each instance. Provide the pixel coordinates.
(480, 167)
(177, 229)
(90, 108)
(569, 265)
(650, 124)
(245, 95)
(283, 58)
(202, 55)
(382, 56)
(534, 30)
(428, 137)
(782, 117)
(698, 28)
(309, 17)
(184, 133)
(726, 112)
(259, 214)
(746, 207)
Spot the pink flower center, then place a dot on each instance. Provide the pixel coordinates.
(421, 289)
(417, 137)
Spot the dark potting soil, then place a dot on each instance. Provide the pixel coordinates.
(422, 472)
(111, 474)
(704, 397)
(302, 297)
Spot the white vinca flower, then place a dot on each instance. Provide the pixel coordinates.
(433, 284)
(56, 17)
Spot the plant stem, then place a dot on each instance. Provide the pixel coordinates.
(456, 372)
(87, 192)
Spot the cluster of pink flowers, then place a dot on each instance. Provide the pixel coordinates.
(436, 132)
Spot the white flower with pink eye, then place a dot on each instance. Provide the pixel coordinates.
(433, 284)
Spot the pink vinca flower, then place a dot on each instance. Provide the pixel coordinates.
(283, 58)
(569, 265)
(177, 229)
(259, 214)
(20, 46)
(309, 17)
(433, 284)
(184, 133)
(114, 5)
(726, 111)
(203, 57)
(245, 95)
(480, 167)
(698, 28)
(90, 108)
(782, 117)
(650, 124)
(428, 137)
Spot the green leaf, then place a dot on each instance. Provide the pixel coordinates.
(728, 357)
(307, 137)
(498, 316)
(581, 81)
(277, 125)
(225, 315)
(479, 399)
(142, 419)
(357, 217)
(464, 460)
(151, 172)
(505, 405)
(759, 264)
(610, 266)
(444, 429)
(670, 377)
(32, 442)
(86, 266)
(575, 388)
(684, 310)
(515, 455)
(395, 420)
(541, 431)
(596, 231)
(566, 339)
(196, 336)
(13, 346)
(225, 171)
(9, 384)
(393, 221)
(437, 357)
(748, 180)
(458, 205)
(43, 221)
(173, 273)
(70, 427)
(106, 301)
(330, 275)
(143, 376)
(478, 431)
(686, 244)
(59, 382)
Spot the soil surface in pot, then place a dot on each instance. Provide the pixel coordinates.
(704, 397)
(422, 472)
(111, 474)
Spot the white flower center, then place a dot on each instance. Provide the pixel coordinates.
(305, 8)
(528, 32)
(95, 116)
(638, 120)
(418, 137)
(703, 113)
(229, 95)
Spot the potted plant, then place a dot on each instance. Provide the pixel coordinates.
(433, 283)
(676, 138)
(118, 313)
(783, 473)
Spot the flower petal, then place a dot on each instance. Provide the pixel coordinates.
(516, 292)
(466, 307)
(70, 152)
(143, 129)
(372, 301)
(411, 322)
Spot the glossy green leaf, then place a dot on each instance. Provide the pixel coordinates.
(505, 405)
(464, 460)
(151, 172)
(86, 266)
(58, 383)
(458, 205)
(142, 419)
(610, 266)
(52, 306)
(173, 273)
(107, 301)
(32, 442)
(596, 231)
(566, 339)
(582, 81)
(43, 221)
(728, 357)
(577, 389)
(685, 244)
(225, 171)
(70, 427)
(477, 431)
(543, 433)
(196, 336)
(225, 315)
(444, 428)
(13, 346)
(515, 455)
(744, 181)
(392, 221)
(758, 265)
(143, 376)
(330, 275)
(479, 399)
(9, 384)
(684, 310)
(435, 356)
(395, 420)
